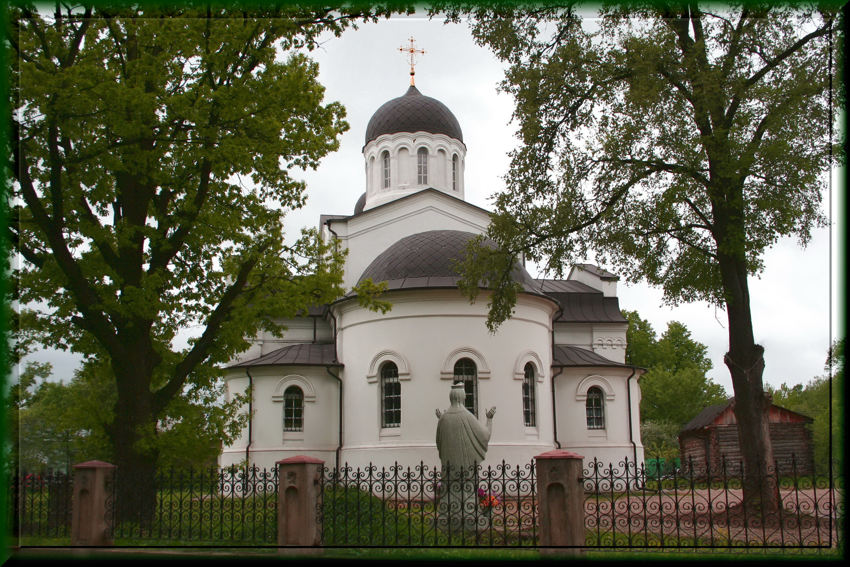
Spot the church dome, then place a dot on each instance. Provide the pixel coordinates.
(427, 259)
(360, 205)
(413, 112)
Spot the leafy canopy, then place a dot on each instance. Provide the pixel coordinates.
(657, 140)
(151, 159)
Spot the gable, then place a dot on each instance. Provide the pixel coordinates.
(368, 234)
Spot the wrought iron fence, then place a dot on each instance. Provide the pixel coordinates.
(40, 504)
(626, 506)
(705, 507)
(423, 506)
(216, 506)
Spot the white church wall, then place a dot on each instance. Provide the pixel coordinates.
(429, 330)
(270, 443)
(609, 341)
(613, 443)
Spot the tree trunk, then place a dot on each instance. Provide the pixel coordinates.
(132, 433)
(751, 406)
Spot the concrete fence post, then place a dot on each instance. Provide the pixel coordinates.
(299, 485)
(560, 494)
(92, 486)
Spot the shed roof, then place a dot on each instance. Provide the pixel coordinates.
(710, 414)
(568, 356)
(309, 354)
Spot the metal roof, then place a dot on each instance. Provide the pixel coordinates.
(427, 259)
(568, 356)
(710, 413)
(413, 112)
(597, 271)
(310, 354)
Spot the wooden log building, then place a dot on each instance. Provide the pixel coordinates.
(713, 435)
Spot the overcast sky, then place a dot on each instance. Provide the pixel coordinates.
(364, 68)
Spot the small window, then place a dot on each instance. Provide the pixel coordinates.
(385, 161)
(293, 409)
(422, 166)
(455, 166)
(528, 394)
(595, 409)
(466, 372)
(390, 396)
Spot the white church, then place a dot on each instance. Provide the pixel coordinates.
(348, 385)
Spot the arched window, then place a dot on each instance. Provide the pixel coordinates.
(390, 396)
(422, 166)
(595, 409)
(528, 394)
(466, 372)
(385, 163)
(293, 409)
(455, 167)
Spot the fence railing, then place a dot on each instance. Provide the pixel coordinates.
(699, 507)
(625, 506)
(425, 507)
(230, 505)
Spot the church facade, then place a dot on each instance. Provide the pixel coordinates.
(349, 385)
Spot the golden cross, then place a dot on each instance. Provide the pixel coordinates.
(412, 51)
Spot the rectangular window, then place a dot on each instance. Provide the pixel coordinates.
(390, 396)
(422, 166)
(595, 413)
(528, 397)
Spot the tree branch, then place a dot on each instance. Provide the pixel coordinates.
(202, 346)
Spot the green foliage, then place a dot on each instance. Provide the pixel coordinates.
(665, 142)
(813, 400)
(675, 387)
(153, 151)
(660, 439)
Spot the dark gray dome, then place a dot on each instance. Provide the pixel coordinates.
(427, 259)
(360, 204)
(413, 112)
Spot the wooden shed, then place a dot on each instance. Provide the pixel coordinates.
(713, 435)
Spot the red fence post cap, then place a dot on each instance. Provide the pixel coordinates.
(301, 459)
(94, 465)
(559, 454)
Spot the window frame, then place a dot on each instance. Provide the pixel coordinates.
(422, 165)
(470, 382)
(389, 375)
(293, 414)
(529, 396)
(385, 169)
(594, 407)
(455, 168)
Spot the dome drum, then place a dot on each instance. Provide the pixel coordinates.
(413, 142)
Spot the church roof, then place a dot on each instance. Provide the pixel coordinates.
(581, 303)
(566, 356)
(427, 259)
(413, 112)
(310, 354)
(360, 204)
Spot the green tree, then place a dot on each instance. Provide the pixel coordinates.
(675, 142)
(18, 397)
(675, 387)
(813, 400)
(151, 157)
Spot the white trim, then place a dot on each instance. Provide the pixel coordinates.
(388, 356)
(448, 370)
(593, 380)
(523, 359)
(296, 380)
